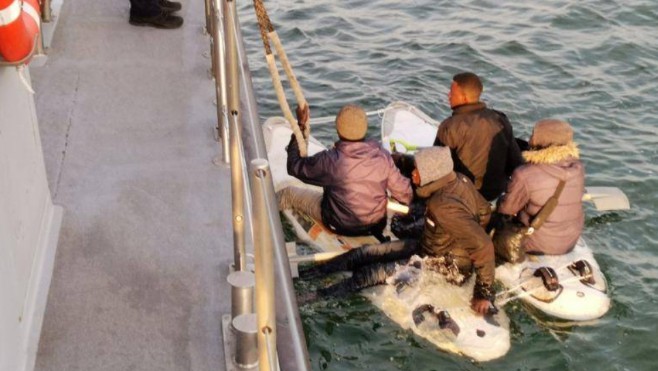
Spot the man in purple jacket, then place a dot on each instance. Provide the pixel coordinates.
(355, 176)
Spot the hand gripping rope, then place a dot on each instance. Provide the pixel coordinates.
(267, 33)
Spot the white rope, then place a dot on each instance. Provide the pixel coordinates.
(328, 119)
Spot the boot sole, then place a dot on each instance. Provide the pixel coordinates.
(156, 25)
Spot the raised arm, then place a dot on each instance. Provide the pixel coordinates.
(470, 236)
(314, 169)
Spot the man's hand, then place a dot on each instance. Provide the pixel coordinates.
(303, 113)
(480, 306)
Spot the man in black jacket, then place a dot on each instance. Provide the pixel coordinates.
(481, 139)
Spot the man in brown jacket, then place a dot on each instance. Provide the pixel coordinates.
(481, 139)
(454, 229)
(553, 156)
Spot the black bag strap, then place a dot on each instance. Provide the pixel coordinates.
(548, 207)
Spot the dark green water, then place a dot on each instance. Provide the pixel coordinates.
(591, 62)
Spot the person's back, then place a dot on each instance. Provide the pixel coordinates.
(458, 215)
(355, 176)
(454, 222)
(481, 139)
(553, 157)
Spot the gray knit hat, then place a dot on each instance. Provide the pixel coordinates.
(551, 132)
(433, 163)
(351, 122)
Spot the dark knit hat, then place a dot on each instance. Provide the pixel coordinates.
(551, 132)
(351, 122)
(433, 163)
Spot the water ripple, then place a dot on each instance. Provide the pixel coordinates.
(591, 62)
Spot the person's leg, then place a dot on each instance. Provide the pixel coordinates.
(362, 256)
(370, 275)
(302, 200)
(150, 13)
(170, 6)
(144, 8)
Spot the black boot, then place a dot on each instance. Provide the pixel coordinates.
(169, 6)
(162, 20)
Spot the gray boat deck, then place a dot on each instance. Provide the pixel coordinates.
(126, 119)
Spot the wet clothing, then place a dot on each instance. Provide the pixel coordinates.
(455, 213)
(370, 265)
(355, 177)
(531, 186)
(454, 223)
(483, 146)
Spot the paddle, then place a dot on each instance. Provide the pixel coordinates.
(606, 198)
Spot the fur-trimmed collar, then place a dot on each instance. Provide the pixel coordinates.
(552, 155)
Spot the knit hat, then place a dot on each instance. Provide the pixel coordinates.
(351, 122)
(433, 163)
(551, 132)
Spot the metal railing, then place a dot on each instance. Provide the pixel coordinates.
(46, 11)
(280, 339)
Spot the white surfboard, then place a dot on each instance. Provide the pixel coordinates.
(576, 298)
(479, 338)
(422, 300)
(579, 292)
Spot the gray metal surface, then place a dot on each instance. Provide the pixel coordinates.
(229, 345)
(242, 292)
(126, 120)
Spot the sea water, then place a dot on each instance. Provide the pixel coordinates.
(593, 63)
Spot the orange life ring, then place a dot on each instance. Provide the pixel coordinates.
(20, 22)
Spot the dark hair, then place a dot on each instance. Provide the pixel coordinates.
(469, 82)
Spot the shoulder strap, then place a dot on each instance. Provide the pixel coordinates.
(548, 207)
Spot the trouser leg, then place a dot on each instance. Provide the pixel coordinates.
(365, 255)
(144, 8)
(301, 200)
(370, 275)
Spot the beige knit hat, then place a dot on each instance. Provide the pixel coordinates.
(551, 132)
(351, 122)
(433, 163)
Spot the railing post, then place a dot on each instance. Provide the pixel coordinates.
(210, 28)
(235, 132)
(220, 79)
(264, 264)
(208, 5)
(232, 64)
(46, 11)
